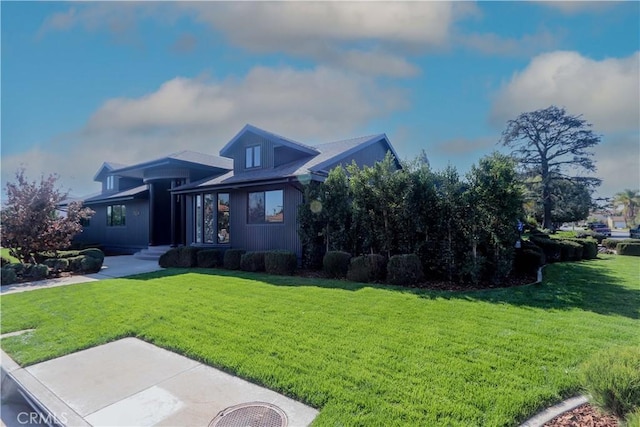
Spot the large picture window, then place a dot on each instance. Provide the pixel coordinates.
(116, 215)
(266, 207)
(211, 215)
(223, 218)
(252, 157)
(209, 218)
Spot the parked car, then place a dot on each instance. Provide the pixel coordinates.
(634, 233)
(600, 228)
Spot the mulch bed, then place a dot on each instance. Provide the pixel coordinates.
(583, 416)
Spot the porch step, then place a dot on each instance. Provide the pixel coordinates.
(152, 253)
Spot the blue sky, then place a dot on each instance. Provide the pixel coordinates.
(84, 83)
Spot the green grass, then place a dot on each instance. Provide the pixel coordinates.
(363, 354)
(4, 252)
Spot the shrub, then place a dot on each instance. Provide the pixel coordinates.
(528, 260)
(4, 261)
(280, 262)
(632, 249)
(17, 267)
(599, 237)
(209, 258)
(182, 257)
(252, 261)
(75, 263)
(589, 247)
(612, 243)
(367, 268)
(57, 264)
(90, 264)
(9, 276)
(612, 378)
(551, 248)
(404, 269)
(38, 272)
(336, 263)
(570, 251)
(231, 259)
(93, 252)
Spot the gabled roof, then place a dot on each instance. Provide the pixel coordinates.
(107, 168)
(277, 139)
(315, 168)
(189, 158)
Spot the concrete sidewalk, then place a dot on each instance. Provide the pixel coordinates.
(130, 382)
(113, 266)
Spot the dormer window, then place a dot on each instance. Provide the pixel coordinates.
(111, 182)
(252, 157)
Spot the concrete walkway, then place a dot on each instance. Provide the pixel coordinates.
(130, 382)
(113, 266)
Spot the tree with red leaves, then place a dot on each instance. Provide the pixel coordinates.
(31, 221)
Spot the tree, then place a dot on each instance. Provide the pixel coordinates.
(30, 219)
(571, 201)
(630, 200)
(548, 144)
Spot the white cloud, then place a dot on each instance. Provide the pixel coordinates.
(605, 92)
(618, 162)
(573, 7)
(202, 114)
(494, 44)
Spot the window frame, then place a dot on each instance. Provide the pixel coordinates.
(111, 182)
(111, 214)
(253, 157)
(206, 222)
(251, 218)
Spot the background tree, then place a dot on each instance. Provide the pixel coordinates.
(30, 219)
(551, 144)
(630, 201)
(570, 201)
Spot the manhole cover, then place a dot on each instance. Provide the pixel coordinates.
(254, 414)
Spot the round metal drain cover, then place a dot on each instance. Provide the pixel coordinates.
(254, 414)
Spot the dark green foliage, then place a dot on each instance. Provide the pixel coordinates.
(599, 237)
(38, 272)
(231, 259)
(90, 264)
(528, 261)
(9, 275)
(93, 252)
(570, 251)
(612, 378)
(612, 243)
(632, 249)
(57, 264)
(552, 248)
(589, 247)
(4, 261)
(404, 270)
(252, 261)
(182, 257)
(367, 268)
(280, 262)
(336, 263)
(209, 258)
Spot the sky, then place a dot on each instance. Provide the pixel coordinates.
(84, 83)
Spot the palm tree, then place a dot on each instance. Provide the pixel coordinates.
(630, 200)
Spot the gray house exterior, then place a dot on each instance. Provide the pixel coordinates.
(246, 198)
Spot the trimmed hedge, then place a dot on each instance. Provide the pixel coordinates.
(528, 260)
(336, 263)
(570, 251)
(4, 261)
(9, 275)
(93, 253)
(632, 249)
(404, 270)
(551, 248)
(252, 261)
(589, 247)
(612, 378)
(367, 268)
(57, 264)
(231, 259)
(182, 257)
(612, 243)
(280, 262)
(209, 258)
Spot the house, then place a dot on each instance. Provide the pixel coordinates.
(245, 198)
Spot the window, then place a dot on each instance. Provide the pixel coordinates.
(252, 157)
(266, 207)
(223, 218)
(111, 182)
(198, 209)
(209, 219)
(116, 215)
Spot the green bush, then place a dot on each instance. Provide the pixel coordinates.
(182, 257)
(4, 261)
(404, 270)
(231, 259)
(93, 253)
(9, 276)
(632, 249)
(570, 251)
(528, 260)
(599, 237)
(280, 262)
(336, 263)
(612, 243)
(38, 272)
(367, 268)
(551, 248)
(252, 261)
(612, 378)
(209, 258)
(89, 264)
(17, 267)
(75, 263)
(589, 247)
(57, 264)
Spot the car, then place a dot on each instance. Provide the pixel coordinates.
(600, 228)
(634, 233)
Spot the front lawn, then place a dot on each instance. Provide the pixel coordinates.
(363, 354)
